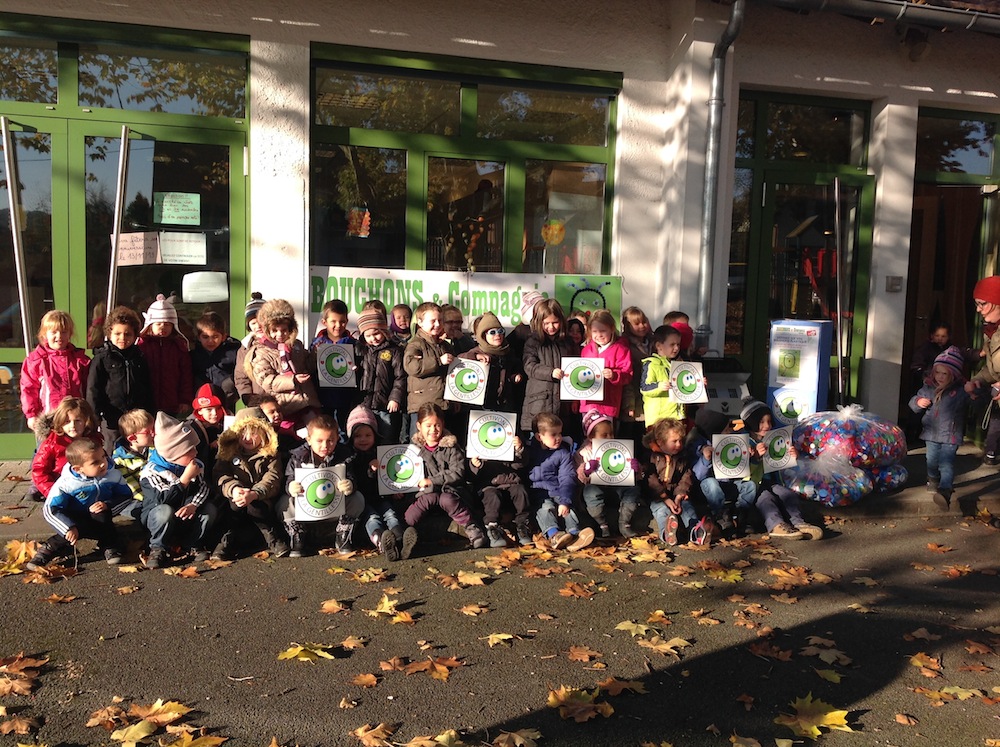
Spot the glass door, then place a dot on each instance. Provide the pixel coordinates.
(801, 264)
(183, 223)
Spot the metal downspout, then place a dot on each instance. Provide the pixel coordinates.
(712, 149)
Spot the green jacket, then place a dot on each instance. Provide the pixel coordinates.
(656, 403)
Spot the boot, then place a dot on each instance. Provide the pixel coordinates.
(496, 535)
(345, 529)
(276, 543)
(44, 555)
(296, 541)
(225, 549)
(625, 512)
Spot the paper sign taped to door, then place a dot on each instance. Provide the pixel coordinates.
(177, 208)
(183, 248)
(205, 287)
(140, 248)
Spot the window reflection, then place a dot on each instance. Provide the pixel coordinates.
(359, 206)
(815, 134)
(959, 146)
(211, 84)
(563, 217)
(465, 214)
(542, 115)
(29, 71)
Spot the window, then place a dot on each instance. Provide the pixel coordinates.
(29, 71)
(955, 144)
(449, 164)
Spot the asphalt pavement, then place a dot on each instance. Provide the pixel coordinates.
(893, 618)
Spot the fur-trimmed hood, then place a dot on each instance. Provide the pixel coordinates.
(229, 441)
(447, 440)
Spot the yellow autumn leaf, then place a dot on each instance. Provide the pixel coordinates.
(729, 575)
(812, 715)
(474, 609)
(309, 652)
(135, 732)
(829, 675)
(739, 741)
(404, 618)
(374, 736)
(633, 628)
(495, 639)
(578, 705)
(332, 607)
(519, 738)
(472, 578)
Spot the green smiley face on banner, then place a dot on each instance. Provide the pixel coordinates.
(467, 380)
(687, 382)
(777, 448)
(582, 378)
(731, 455)
(320, 494)
(613, 462)
(492, 435)
(399, 468)
(336, 365)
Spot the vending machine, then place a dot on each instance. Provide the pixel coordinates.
(798, 377)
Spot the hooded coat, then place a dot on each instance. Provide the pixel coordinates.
(49, 375)
(260, 471)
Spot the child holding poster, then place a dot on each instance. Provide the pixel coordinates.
(494, 481)
(607, 345)
(493, 350)
(774, 501)
(598, 425)
(336, 400)
(724, 496)
(381, 378)
(322, 449)
(279, 363)
(655, 383)
(669, 479)
(426, 359)
(542, 359)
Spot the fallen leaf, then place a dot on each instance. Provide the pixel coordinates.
(667, 648)
(519, 738)
(474, 609)
(763, 648)
(934, 547)
(402, 618)
(729, 575)
(353, 642)
(447, 738)
(374, 736)
(469, 578)
(921, 634)
(922, 567)
(746, 700)
(633, 628)
(659, 616)
(347, 704)
(332, 607)
(812, 715)
(18, 725)
(127, 589)
(578, 705)
(8, 520)
(865, 581)
(365, 680)
(829, 675)
(573, 589)
(613, 686)
(58, 599)
(582, 653)
(128, 569)
(975, 647)
(784, 598)
(311, 652)
(495, 639)
(744, 741)
(906, 720)
(160, 713)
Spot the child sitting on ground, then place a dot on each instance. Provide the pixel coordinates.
(552, 480)
(176, 505)
(443, 480)
(382, 524)
(280, 365)
(74, 418)
(655, 378)
(207, 414)
(774, 501)
(55, 369)
(248, 473)
(132, 448)
(724, 497)
(669, 480)
(381, 378)
(943, 402)
(166, 351)
(321, 449)
(213, 359)
(598, 425)
(82, 503)
(494, 481)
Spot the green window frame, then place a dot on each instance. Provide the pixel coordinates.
(425, 150)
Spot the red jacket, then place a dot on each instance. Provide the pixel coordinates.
(618, 358)
(170, 369)
(50, 459)
(48, 376)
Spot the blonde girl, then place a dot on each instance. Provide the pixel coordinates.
(543, 354)
(605, 343)
(74, 418)
(55, 369)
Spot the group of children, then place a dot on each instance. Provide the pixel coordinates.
(199, 488)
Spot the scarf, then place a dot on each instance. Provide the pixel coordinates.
(163, 464)
(285, 364)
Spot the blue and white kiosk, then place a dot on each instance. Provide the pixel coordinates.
(798, 377)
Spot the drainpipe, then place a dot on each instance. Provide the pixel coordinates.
(712, 148)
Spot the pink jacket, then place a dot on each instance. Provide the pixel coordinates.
(618, 358)
(48, 376)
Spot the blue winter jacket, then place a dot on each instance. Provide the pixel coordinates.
(73, 494)
(944, 420)
(553, 470)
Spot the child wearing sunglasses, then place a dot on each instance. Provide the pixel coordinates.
(493, 350)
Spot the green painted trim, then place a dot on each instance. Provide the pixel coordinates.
(17, 445)
(470, 112)
(949, 177)
(609, 184)
(66, 29)
(513, 200)
(400, 62)
(416, 211)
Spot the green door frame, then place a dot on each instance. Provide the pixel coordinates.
(757, 326)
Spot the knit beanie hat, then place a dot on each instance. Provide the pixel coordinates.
(590, 420)
(275, 311)
(173, 439)
(161, 310)
(687, 334)
(205, 397)
(251, 412)
(256, 301)
(710, 422)
(528, 301)
(361, 415)
(953, 361)
(371, 319)
(988, 289)
(753, 412)
(483, 324)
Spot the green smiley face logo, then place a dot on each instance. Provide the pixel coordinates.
(687, 382)
(777, 448)
(492, 435)
(467, 380)
(336, 365)
(399, 468)
(613, 462)
(582, 378)
(789, 408)
(731, 455)
(320, 494)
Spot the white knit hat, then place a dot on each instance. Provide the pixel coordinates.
(161, 310)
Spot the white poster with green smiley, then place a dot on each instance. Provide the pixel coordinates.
(731, 455)
(687, 382)
(400, 468)
(779, 452)
(491, 435)
(335, 365)
(319, 499)
(583, 378)
(466, 382)
(614, 462)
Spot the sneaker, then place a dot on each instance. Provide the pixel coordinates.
(112, 556)
(932, 486)
(942, 499)
(605, 531)
(343, 541)
(524, 535)
(157, 558)
(810, 531)
(496, 535)
(559, 540)
(669, 535)
(476, 537)
(201, 554)
(296, 543)
(991, 459)
(726, 526)
(44, 555)
(584, 538)
(35, 494)
(279, 548)
(409, 542)
(389, 546)
(224, 550)
(784, 531)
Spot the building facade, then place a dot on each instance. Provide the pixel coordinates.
(322, 150)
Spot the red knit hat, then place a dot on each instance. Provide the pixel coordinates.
(205, 397)
(988, 289)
